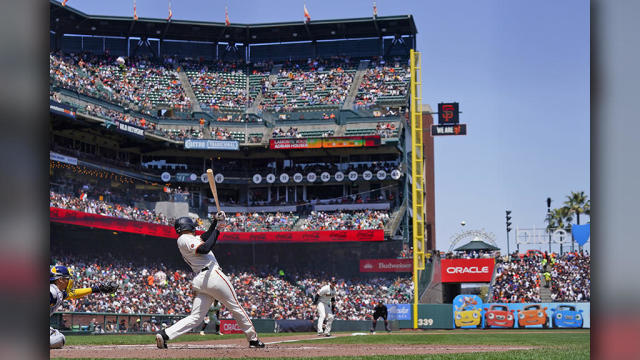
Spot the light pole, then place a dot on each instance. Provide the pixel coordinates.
(549, 221)
(508, 217)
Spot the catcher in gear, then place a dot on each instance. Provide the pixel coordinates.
(61, 288)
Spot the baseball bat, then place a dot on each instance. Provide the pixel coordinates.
(214, 191)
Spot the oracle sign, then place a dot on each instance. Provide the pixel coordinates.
(467, 270)
(230, 327)
(386, 265)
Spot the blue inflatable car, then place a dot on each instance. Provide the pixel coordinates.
(566, 316)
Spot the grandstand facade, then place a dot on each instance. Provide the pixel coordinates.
(304, 123)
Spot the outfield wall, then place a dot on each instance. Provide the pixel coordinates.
(430, 316)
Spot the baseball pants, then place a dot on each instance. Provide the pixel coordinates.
(209, 285)
(324, 310)
(56, 339)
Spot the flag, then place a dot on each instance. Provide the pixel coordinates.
(375, 10)
(135, 13)
(170, 12)
(64, 2)
(226, 17)
(83, 197)
(306, 13)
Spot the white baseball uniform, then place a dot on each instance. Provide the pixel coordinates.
(210, 283)
(56, 338)
(324, 308)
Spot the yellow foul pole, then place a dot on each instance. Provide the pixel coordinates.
(417, 176)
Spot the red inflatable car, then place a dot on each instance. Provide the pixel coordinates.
(499, 316)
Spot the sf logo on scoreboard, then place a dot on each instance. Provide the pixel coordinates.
(448, 113)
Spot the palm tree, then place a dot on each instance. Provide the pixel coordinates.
(577, 204)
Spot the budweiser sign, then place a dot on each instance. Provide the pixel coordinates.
(467, 270)
(386, 265)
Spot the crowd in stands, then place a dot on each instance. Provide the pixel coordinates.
(100, 111)
(517, 281)
(519, 278)
(135, 82)
(571, 277)
(263, 293)
(383, 80)
(385, 130)
(252, 222)
(181, 134)
(356, 220)
(218, 84)
(303, 84)
(99, 207)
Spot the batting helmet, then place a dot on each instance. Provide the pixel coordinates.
(184, 224)
(59, 271)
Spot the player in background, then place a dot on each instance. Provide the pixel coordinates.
(214, 313)
(325, 300)
(380, 311)
(61, 288)
(210, 283)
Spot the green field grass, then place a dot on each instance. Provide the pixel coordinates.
(550, 345)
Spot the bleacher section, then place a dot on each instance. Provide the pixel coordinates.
(219, 91)
(384, 85)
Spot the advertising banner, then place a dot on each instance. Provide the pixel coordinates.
(467, 270)
(63, 158)
(386, 265)
(398, 311)
(62, 109)
(469, 311)
(130, 129)
(79, 218)
(208, 144)
(284, 144)
(459, 129)
(302, 236)
(230, 327)
(109, 223)
(330, 142)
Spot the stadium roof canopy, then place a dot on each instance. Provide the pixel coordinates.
(477, 245)
(67, 20)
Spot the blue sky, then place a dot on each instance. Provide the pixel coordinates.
(520, 71)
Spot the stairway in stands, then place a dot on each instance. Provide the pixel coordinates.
(545, 292)
(186, 85)
(355, 85)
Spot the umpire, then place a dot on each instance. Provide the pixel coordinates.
(380, 311)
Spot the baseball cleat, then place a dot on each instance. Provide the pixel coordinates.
(160, 342)
(256, 344)
(202, 333)
(327, 334)
(320, 334)
(219, 333)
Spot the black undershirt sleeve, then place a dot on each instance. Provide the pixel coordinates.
(210, 238)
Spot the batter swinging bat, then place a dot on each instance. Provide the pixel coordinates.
(214, 191)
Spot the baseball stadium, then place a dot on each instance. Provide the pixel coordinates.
(226, 190)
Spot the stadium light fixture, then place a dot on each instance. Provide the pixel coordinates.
(333, 32)
(295, 34)
(93, 28)
(508, 217)
(383, 29)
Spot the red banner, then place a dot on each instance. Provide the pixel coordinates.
(386, 265)
(80, 218)
(467, 270)
(230, 327)
(302, 236)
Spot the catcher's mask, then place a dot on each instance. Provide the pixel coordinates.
(61, 272)
(184, 224)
